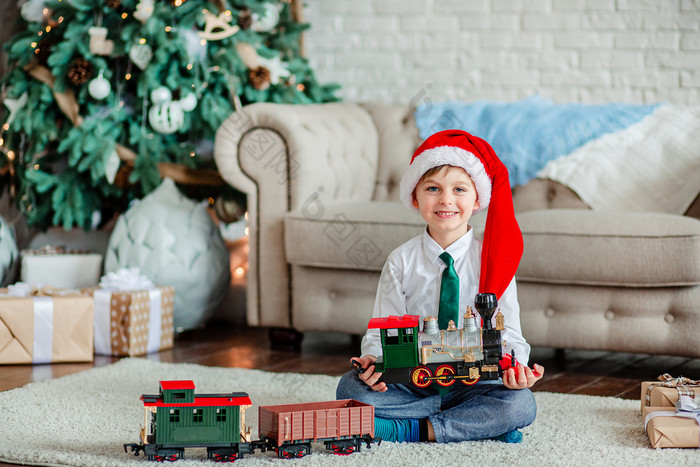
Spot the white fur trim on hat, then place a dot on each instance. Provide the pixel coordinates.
(446, 155)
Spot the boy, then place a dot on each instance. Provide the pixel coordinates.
(451, 176)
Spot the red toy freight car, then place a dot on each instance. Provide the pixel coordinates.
(341, 425)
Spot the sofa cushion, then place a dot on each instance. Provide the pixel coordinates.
(628, 249)
(348, 235)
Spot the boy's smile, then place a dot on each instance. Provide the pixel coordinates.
(446, 200)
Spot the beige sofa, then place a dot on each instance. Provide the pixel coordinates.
(322, 190)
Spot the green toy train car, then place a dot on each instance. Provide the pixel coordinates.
(176, 419)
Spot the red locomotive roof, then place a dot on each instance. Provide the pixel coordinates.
(394, 322)
(185, 384)
(201, 400)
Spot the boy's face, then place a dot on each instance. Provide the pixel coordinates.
(446, 201)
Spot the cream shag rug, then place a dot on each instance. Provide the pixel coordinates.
(84, 419)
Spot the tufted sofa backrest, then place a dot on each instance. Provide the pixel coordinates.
(398, 139)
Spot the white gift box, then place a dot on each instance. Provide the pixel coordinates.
(60, 268)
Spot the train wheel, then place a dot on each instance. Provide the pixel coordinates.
(447, 372)
(291, 452)
(420, 375)
(343, 450)
(469, 382)
(222, 456)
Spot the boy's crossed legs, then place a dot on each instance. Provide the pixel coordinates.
(485, 410)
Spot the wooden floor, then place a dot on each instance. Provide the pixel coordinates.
(224, 345)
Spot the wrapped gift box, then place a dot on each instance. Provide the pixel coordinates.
(666, 429)
(665, 391)
(135, 322)
(46, 327)
(61, 268)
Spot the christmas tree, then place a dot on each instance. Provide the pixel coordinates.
(106, 97)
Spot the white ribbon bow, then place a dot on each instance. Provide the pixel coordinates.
(125, 279)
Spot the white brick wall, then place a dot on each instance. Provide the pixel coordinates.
(594, 51)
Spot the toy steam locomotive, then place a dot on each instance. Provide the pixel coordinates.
(443, 356)
(177, 418)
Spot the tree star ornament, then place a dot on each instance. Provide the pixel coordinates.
(13, 105)
(218, 27)
(277, 68)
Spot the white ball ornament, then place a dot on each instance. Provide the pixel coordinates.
(267, 21)
(166, 118)
(189, 102)
(161, 95)
(99, 88)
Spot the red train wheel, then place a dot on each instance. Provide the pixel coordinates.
(469, 382)
(291, 454)
(343, 451)
(447, 372)
(225, 457)
(420, 375)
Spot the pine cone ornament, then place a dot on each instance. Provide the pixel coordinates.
(121, 179)
(259, 77)
(113, 4)
(80, 71)
(245, 19)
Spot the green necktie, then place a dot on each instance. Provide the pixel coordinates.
(449, 293)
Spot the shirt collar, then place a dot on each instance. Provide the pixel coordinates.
(433, 251)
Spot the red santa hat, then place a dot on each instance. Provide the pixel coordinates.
(503, 242)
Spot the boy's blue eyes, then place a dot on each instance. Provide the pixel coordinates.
(434, 188)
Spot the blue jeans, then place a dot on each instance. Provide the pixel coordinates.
(484, 410)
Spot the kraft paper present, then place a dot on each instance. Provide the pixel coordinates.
(666, 430)
(130, 323)
(662, 396)
(46, 329)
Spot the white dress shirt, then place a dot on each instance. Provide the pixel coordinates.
(410, 284)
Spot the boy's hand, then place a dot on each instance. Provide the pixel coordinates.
(523, 377)
(369, 376)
